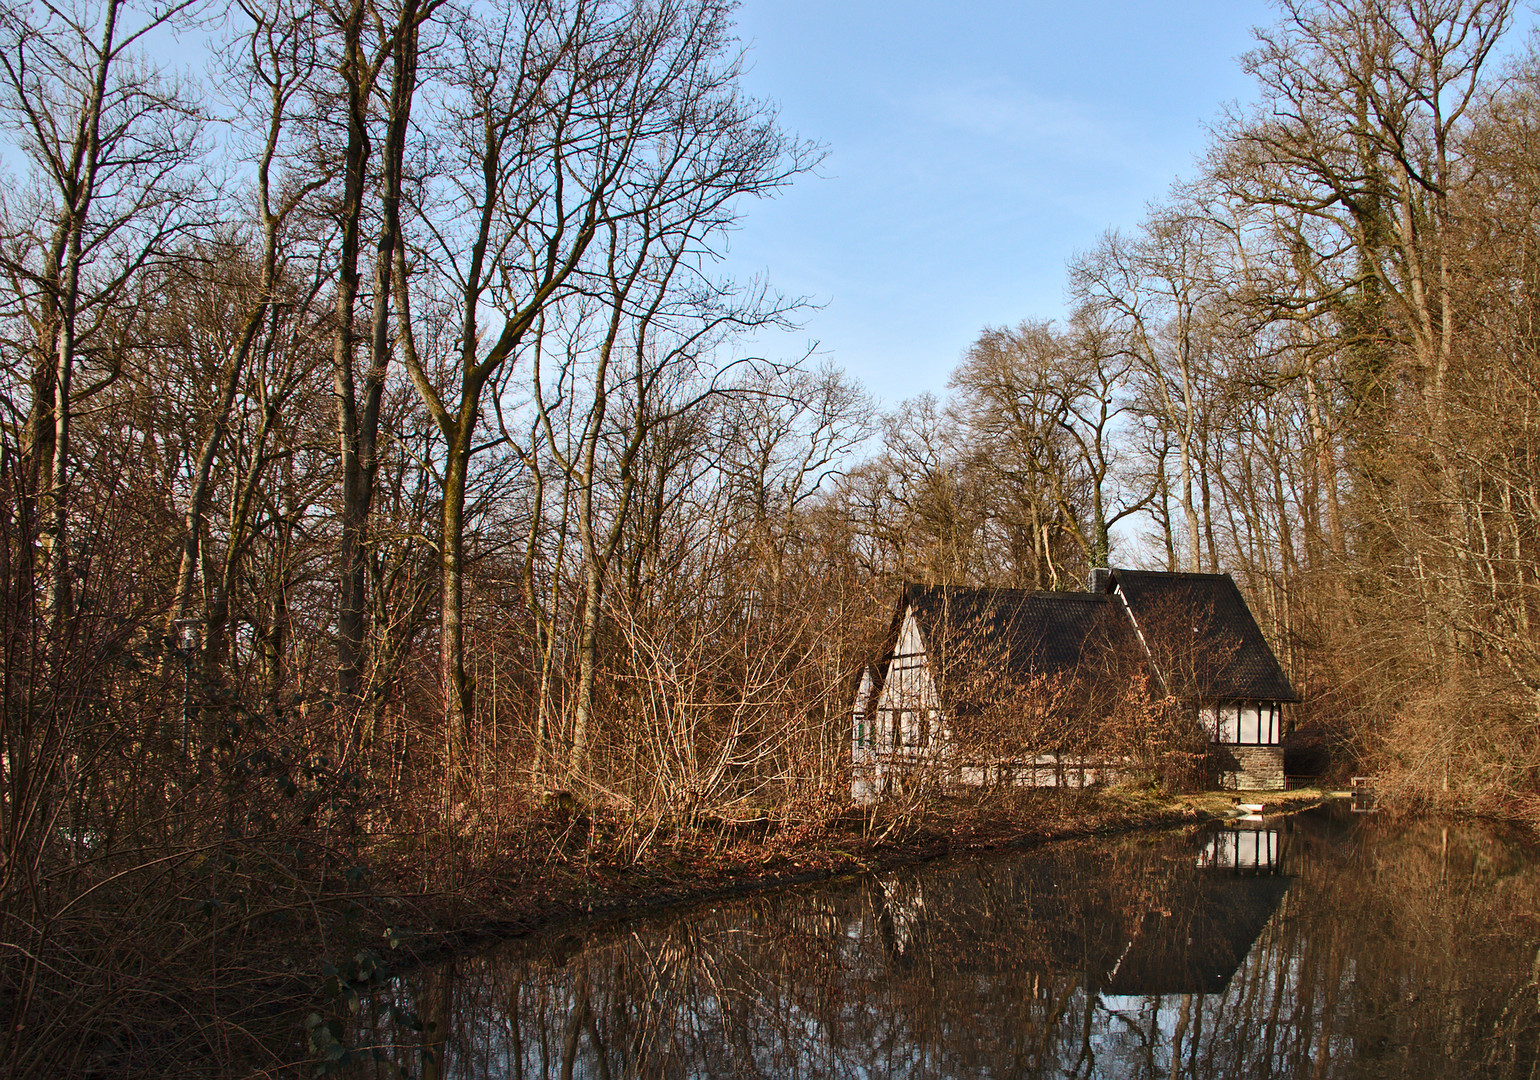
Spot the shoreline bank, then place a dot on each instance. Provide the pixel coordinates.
(691, 873)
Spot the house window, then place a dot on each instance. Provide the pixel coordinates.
(860, 733)
(1250, 725)
(925, 729)
(898, 729)
(1255, 723)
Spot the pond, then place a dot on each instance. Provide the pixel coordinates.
(1326, 944)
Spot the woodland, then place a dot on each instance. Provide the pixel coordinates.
(382, 469)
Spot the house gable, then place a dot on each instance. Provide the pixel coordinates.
(897, 703)
(908, 681)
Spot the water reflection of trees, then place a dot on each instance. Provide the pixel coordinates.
(1367, 950)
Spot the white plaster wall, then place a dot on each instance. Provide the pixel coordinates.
(909, 691)
(909, 684)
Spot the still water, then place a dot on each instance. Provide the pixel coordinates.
(1327, 944)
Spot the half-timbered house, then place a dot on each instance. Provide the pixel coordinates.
(955, 656)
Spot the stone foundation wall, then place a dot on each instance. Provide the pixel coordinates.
(1251, 768)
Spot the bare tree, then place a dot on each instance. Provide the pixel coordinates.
(113, 146)
(277, 65)
(1043, 407)
(1156, 292)
(610, 145)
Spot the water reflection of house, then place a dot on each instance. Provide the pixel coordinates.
(1181, 920)
(1242, 848)
(1196, 944)
(956, 654)
(902, 914)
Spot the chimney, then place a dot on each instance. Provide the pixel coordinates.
(1099, 578)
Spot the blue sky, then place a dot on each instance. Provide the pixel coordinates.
(972, 150)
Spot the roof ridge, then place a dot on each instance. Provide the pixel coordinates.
(1012, 589)
(968, 588)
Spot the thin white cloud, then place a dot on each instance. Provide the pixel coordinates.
(1014, 116)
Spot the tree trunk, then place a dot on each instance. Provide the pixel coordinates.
(454, 684)
(588, 655)
(350, 563)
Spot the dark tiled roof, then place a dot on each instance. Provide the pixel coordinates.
(1229, 659)
(1199, 632)
(1012, 634)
